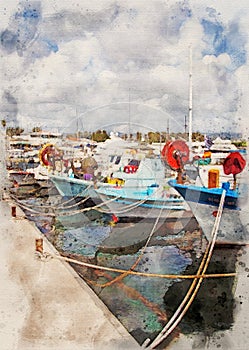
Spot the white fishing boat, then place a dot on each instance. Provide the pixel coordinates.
(143, 192)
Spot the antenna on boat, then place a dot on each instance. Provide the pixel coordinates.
(185, 125)
(129, 121)
(3, 170)
(168, 127)
(77, 123)
(190, 110)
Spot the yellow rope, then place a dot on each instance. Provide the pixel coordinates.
(137, 273)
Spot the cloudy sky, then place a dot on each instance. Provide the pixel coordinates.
(103, 64)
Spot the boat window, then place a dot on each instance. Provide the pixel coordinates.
(118, 160)
(134, 162)
(112, 158)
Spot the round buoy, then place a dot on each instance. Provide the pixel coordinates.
(46, 153)
(234, 163)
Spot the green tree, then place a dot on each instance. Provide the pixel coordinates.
(100, 136)
(11, 131)
(240, 143)
(3, 121)
(153, 137)
(37, 129)
(197, 136)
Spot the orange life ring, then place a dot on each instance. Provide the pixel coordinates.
(46, 153)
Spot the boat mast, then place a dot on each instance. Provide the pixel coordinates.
(3, 170)
(190, 117)
(77, 124)
(129, 126)
(185, 125)
(168, 128)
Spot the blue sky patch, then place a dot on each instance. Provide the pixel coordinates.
(220, 39)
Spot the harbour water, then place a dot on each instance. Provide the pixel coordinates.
(143, 304)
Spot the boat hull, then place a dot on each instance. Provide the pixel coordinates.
(203, 202)
(232, 229)
(132, 202)
(125, 202)
(72, 187)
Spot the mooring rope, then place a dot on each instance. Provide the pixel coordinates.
(52, 207)
(127, 207)
(67, 213)
(76, 196)
(32, 210)
(46, 256)
(98, 207)
(95, 207)
(73, 205)
(131, 206)
(60, 205)
(189, 297)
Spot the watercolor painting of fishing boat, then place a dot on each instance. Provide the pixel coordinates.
(124, 174)
(204, 200)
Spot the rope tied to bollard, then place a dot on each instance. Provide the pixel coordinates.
(45, 256)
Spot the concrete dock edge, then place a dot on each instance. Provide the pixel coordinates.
(45, 304)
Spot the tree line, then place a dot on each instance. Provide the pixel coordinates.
(102, 135)
(150, 137)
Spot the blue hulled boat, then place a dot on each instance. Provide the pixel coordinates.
(204, 201)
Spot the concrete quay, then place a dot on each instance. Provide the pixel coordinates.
(44, 304)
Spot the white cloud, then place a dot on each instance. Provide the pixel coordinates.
(221, 60)
(109, 51)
